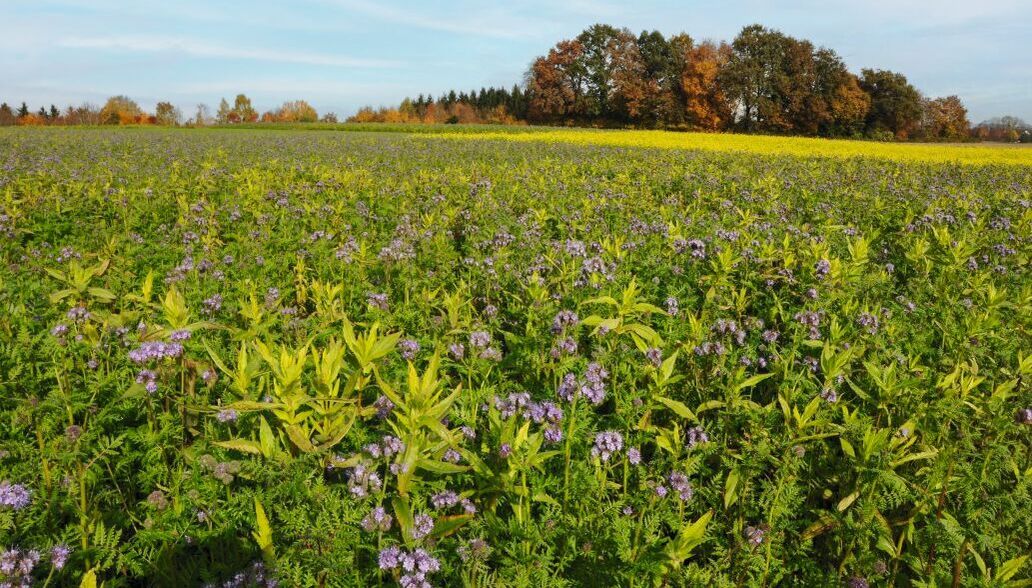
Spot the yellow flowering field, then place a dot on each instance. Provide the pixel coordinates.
(801, 146)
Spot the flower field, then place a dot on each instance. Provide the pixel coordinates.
(547, 358)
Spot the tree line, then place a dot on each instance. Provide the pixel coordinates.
(763, 81)
(122, 110)
(488, 106)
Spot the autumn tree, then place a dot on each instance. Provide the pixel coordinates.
(243, 109)
(635, 94)
(202, 116)
(224, 113)
(32, 120)
(849, 105)
(7, 117)
(167, 115)
(296, 111)
(556, 83)
(896, 106)
(945, 119)
(705, 105)
(120, 110)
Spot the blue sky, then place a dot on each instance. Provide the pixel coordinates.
(342, 54)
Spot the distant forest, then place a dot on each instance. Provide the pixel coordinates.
(763, 81)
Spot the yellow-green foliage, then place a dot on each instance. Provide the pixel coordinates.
(767, 145)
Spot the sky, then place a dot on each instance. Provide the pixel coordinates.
(340, 55)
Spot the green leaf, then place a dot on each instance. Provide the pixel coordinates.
(440, 467)
(821, 526)
(847, 447)
(730, 488)
(545, 498)
(263, 533)
(1011, 567)
(711, 405)
(845, 502)
(915, 456)
(689, 537)
(678, 407)
(267, 441)
(752, 381)
(448, 525)
(298, 436)
(244, 445)
(89, 579)
(102, 294)
(403, 512)
(251, 405)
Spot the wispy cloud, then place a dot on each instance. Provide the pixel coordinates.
(298, 86)
(198, 48)
(493, 24)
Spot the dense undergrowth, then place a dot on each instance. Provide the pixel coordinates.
(349, 359)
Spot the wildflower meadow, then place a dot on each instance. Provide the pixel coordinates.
(550, 358)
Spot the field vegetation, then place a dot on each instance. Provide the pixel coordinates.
(525, 357)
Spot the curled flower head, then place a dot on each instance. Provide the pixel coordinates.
(606, 444)
(155, 351)
(1024, 416)
(443, 500)
(822, 268)
(422, 525)
(390, 558)
(754, 535)
(563, 320)
(227, 415)
(377, 301)
(633, 456)
(377, 520)
(408, 348)
(479, 339)
(679, 482)
(14, 496)
(457, 351)
(696, 435)
(383, 406)
(59, 556)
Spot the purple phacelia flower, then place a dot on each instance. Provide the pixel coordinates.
(606, 444)
(227, 415)
(633, 456)
(59, 556)
(457, 351)
(383, 406)
(696, 436)
(479, 339)
(445, 499)
(377, 520)
(422, 525)
(408, 348)
(14, 496)
(377, 301)
(563, 320)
